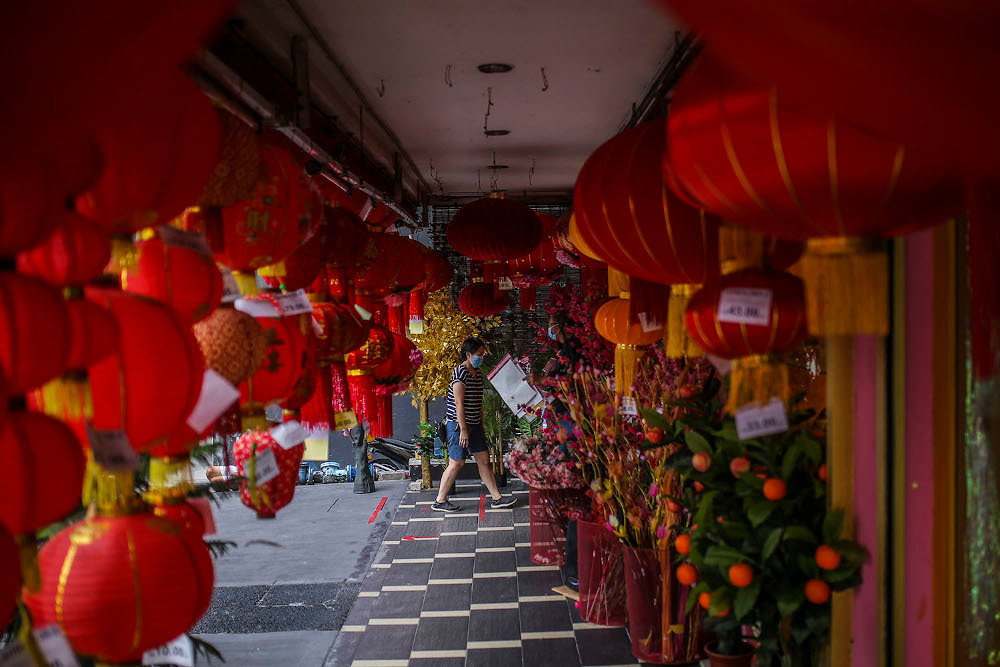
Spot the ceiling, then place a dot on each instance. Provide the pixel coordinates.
(413, 63)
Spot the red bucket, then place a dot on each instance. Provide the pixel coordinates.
(600, 559)
(548, 516)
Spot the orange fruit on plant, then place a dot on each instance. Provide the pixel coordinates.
(699, 487)
(739, 465)
(821, 473)
(724, 612)
(686, 574)
(655, 435)
(740, 575)
(775, 489)
(683, 544)
(827, 558)
(674, 506)
(687, 391)
(701, 461)
(817, 591)
(705, 600)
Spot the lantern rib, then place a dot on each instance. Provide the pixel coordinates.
(782, 162)
(734, 162)
(746, 338)
(775, 317)
(670, 233)
(897, 170)
(831, 158)
(137, 585)
(64, 572)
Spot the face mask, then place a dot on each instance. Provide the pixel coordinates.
(552, 333)
(477, 361)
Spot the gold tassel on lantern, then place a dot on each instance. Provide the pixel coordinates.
(755, 380)
(247, 282)
(626, 363)
(67, 397)
(677, 341)
(847, 286)
(169, 476)
(276, 270)
(124, 258)
(107, 490)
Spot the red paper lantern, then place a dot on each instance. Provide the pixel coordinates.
(187, 281)
(35, 333)
(10, 576)
(438, 274)
(361, 363)
(266, 499)
(494, 229)
(153, 578)
(539, 267)
(743, 151)
(781, 328)
(183, 514)
(281, 212)
(94, 334)
(149, 386)
(238, 168)
(482, 300)
(372, 284)
(392, 377)
(613, 322)
(276, 378)
(338, 330)
(158, 157)
(75, 253)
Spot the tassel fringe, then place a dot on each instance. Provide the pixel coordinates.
(626, 363)
(677, 341)
(68, 397)
(247, 282)
(847, 287)
(756, 380)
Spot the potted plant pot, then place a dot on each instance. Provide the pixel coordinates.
(600, 562)
(725, 660)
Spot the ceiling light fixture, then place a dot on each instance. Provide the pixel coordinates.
(495, 68)
(497, 133)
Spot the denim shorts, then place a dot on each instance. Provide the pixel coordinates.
(477, 440)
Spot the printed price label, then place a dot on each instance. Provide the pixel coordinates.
(204, 507)
(112, 450)
(257, 308)
(15, 654)
(344, 420)
(741, 305)
(505, 284)
(294, 303)
(289, 434)
(755, 422)
(54, 646)
(178, 652)
(216, 397)
(649, 323)
(266, 467)
(629, 406)
(416, 327)
(179, 238)
(230, 290)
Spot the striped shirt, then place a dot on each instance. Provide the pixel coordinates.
(473, 396)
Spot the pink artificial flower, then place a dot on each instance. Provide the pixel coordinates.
(653, 490)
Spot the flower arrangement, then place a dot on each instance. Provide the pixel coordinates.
(579, 303)
(541, 463)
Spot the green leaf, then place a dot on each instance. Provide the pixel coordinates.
(735, 530)
(840, 574)
(851, 552)
(800, 534)
(721, 601)
(789, 460)
(833, 526)
(771, 543)
(728, 431)
(753, 481)
(746, 598)
(759, 511)
(788, 605)
(812, 449)
(696, 442)
(704, 512)
(722, 556)
(655, 419)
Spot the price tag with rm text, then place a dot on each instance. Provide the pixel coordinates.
(178, 652)
(294, 303)
(54, 646)
(505, 284)
(741, 305)
(230, 290)
(266, 467)
(755, 422)
(345, 420)
(179, 238)
(629, 407)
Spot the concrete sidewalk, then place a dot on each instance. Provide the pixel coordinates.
(285, 604)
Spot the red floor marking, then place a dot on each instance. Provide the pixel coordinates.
(482, 508)
(410, 538)
(377, 510)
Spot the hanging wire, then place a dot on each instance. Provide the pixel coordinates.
(380, 88)
(489, 105)
(447, 76)
(545, 81)
(531, 171)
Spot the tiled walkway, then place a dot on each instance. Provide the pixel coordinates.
(460, 589)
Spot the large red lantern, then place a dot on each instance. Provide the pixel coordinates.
(249, 451)
(186, 280)
(392, 377)
(494, 229)
(361, 363)
(373, 284)
(10, 576)
(149, 386)
(118, 586)
(282, 210)
(750, 315)
(232, 343)
(277, 376)
(741, 150)
(613, 321)
(35, 333)
(480, 299)
(158, 157)
(238, 168)
(75, 253)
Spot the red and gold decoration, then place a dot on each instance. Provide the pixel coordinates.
(338, 329)
(267, 498)
(238, 168)
(614, 322)
(277, 377)
(720, 320)
(232, 343)
(118, 586)
(744, 151)
(438, 274)
(392, 377)
(361, 364)
(186, 280)
(537, 268)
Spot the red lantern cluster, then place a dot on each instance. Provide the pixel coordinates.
(392, 377)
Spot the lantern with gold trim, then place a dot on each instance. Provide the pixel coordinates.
(438, 274)
(613, 320)
(392, 377)
(750, 316)
(413, 270)
(537, 268)
(361, 363)
(338, 330)
(268, 497)
(238, 168)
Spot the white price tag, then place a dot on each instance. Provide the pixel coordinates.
(344, 420)
(216, 397)
(505, 284)
(294, 303)
(741, 305)
(266, 467)
(257, 308)
(416, 327)
(178, 652)
(755, 422)
(230, 290)
(15, 654)
(649, 323)
(54, 646)
(289, 434)
(112, 450)
(629, 406)
(179, 238)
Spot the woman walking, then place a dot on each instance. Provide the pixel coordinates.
(464, 427)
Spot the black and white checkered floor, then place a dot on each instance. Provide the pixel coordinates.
(448, 590)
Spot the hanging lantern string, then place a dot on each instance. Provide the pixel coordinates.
(447, 76)
(489, 105)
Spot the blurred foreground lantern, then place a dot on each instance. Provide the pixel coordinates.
(614, 323)
(34, 333)
(121, 585)
(751, 316)
(10, 576)
(187, 281)
(741, 150)
(253, 452)
(75, 253)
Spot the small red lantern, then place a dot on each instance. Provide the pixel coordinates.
(494, 229)
(149, 386)
(438, 272)
(479, 299)
(232, 343)
(152, 577)
(267, 498)
(277, 376)
(75, 253)
(749, 316)
(238, 168)
(10, 576)
(157, 157)
(613, 322)
(338, 330)
(361, 363)
(392, 377)
(35, 332)
(187, 281)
